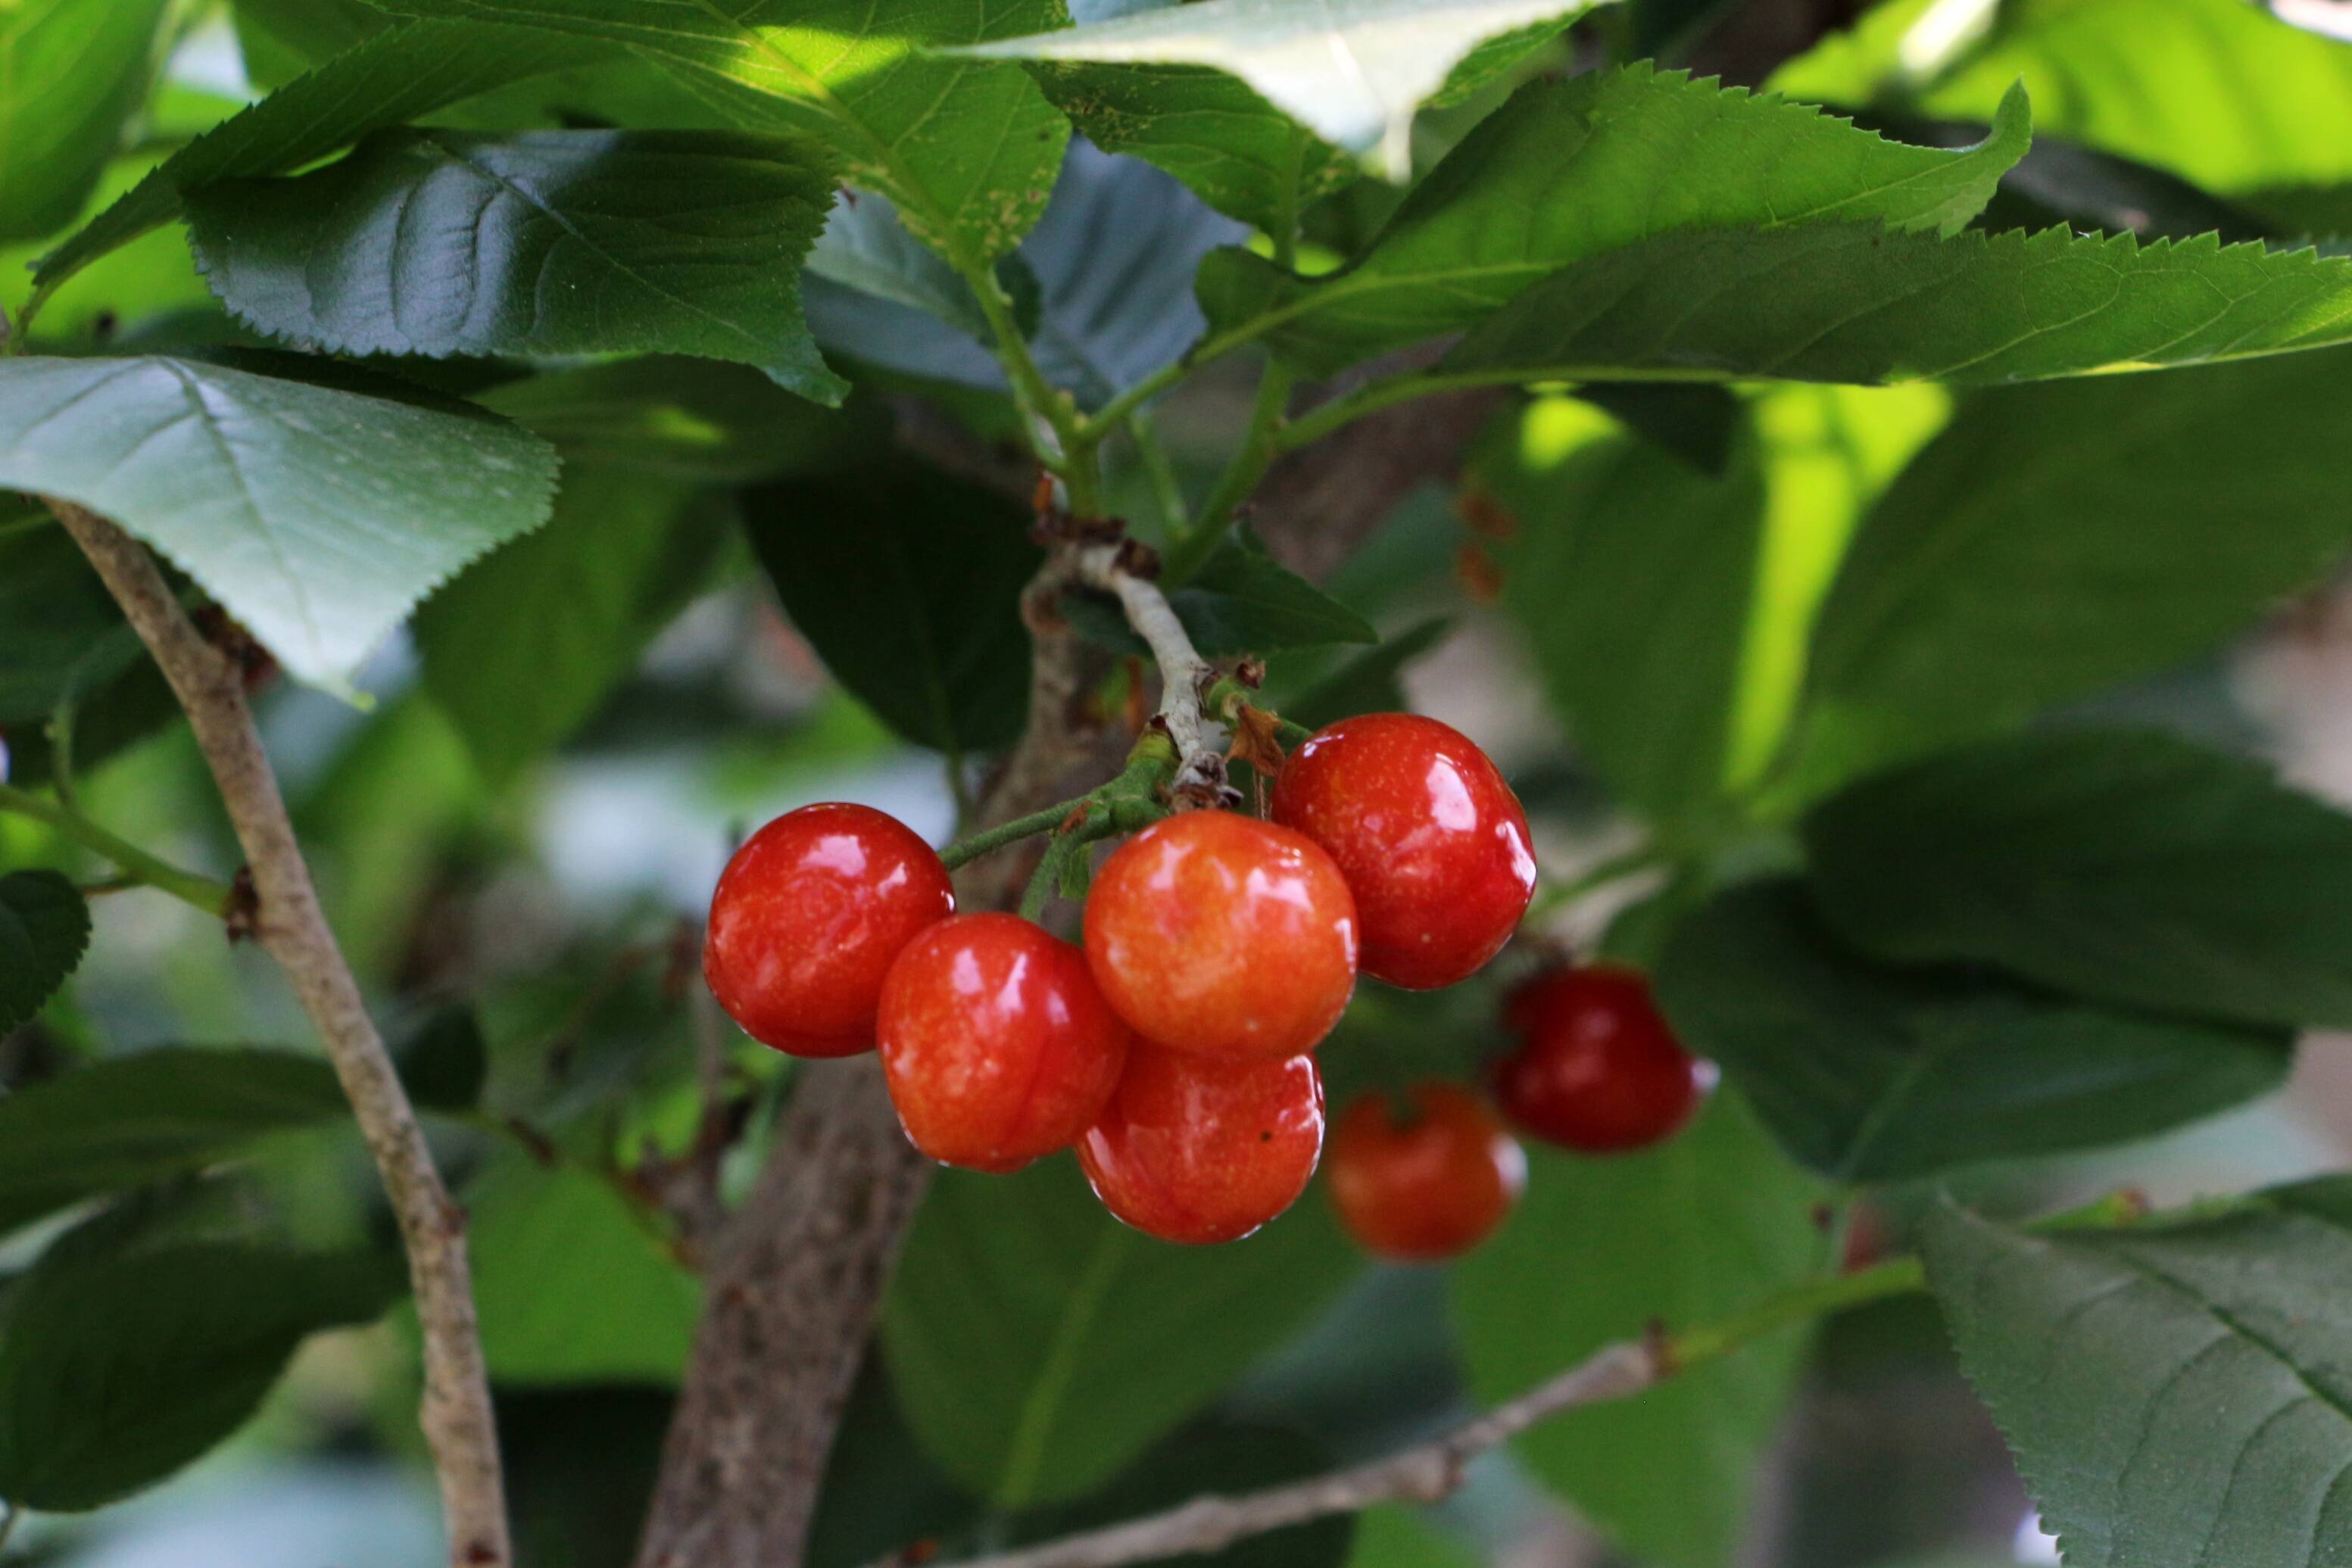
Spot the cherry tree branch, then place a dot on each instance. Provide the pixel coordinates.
(1118, 569)
(1429, 1472)
(456, 1416)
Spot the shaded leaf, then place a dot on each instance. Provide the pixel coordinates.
(117, 1370)
(2054, 541)
(548, 1238)
(398, 74)
(71, 71)
(1353, 72)
(966, 149)
(316, 517)
(520, 650)
(281, 39)
(1849, 302)
(60, 633)
(909, 585)
(44, 930)
(1243, 602)
(547, 243)
(1211, 1457)
(697, 420)
(1111, 263)
(1039, 1346)
(129, 1121)
(1687, 1233)
(2176, 1392)
(2121, 865)
(1871, 1074)
(1572, 170)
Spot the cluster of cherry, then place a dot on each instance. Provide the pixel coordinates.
(1174, 1050)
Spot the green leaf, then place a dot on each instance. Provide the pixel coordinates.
(129, 1121)
(1849, 302)
(1243, 601)
(1569, 171)
(2125, 866)
(2054, 541)
(316, 517)
(71, 71)
(1352, 72)
(1632, 575)
(550, 1241)
(966, 149)
(44, 930)
(1692, 1231)
(2176, 1392)
(115, 1371)
(520, 650)
(60, 633)
(1039, 1346)
(547, 243)
(396, 76)
(281, 39)
(2246, 101)
(909, 584)
(1871, 1074)
(864, 246)
(697, 420)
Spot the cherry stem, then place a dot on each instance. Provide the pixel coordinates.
(137, 865)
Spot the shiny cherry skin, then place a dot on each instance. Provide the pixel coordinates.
(1433, 842)
(1221, 935)
(809, 916)
(1597, 1069)
(996, 1044)
(1426, 1186)
(1197, 1151)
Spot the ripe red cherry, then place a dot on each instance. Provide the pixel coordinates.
(1429, 1186)
(1224, 935)
(1433, 842)
(997, 1046)
(1597, 1069)
(1195, 1149)
(808, 918)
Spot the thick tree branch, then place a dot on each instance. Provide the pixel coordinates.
(292, 929)
(1426, 1473)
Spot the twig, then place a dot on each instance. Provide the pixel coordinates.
(456, 1416)
(1428, 1472)
(1184, 676)
(139, 868)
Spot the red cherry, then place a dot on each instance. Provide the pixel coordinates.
(1429, 1186)
(808, 918)
(1194, 1150)
(1433, 842)
(997, 1046)
(1225, 935)
(1597, 1068)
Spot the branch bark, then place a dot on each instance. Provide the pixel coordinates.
(1424, 1474)
(290, 926)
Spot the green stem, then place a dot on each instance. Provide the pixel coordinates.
(1643, 858)
(1042, 407)
(1259, 447)
(965, 851)
(1166, 488)
(199, 892)
(1800, 1303)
